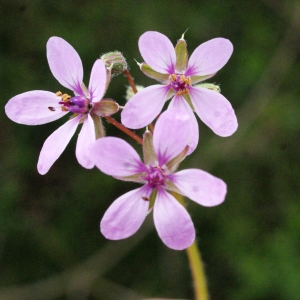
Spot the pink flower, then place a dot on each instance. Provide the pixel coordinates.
(40, 107)
(177, 74)
(162, 155)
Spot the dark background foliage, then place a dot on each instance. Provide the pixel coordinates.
(50, 244)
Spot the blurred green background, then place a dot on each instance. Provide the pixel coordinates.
(50, 244)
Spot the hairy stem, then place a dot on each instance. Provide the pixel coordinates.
(130, 80)
(196, 265)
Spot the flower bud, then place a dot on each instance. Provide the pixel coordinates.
(115, 61)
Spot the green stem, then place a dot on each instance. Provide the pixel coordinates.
(198, 275)
(196, 265)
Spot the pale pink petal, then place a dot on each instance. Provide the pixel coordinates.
(144, 106)
(85, 140)
(55, 144)
(200, 186)
(209, 57)
(158, 52)
(115, 157)
(97, 83)
(126, 215)
(34, 108)
(65, 64)
(171, 134)
(173, 223)
(214, 110)
(180, 103)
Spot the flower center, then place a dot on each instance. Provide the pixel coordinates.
(77, 104)
(180, 84)
(156, 176)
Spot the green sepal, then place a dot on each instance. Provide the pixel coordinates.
(173, 164)
(171, 186)
(189, 100)
(196, 79)
(138, 177)
(210, 86)
(148, 71)
(181, 56)
(171, 93)
(105, 107)
(99, 129)
(152, 199)
(150, 156)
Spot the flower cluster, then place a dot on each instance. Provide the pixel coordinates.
(175, 134)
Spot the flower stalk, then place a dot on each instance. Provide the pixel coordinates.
(131, 81)
(196, 265)
(124, 129)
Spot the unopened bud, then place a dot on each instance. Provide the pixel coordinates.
(115, 61)
(210, 86)
(130, 93)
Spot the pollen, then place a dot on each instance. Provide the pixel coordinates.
(65, 97)
(58, 93)
(63, 108)
(174, 77)
(184, 91)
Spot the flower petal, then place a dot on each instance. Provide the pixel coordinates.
(200, 186)
(55, 144)
(85, 140)
(34, 108)
(179, 102)
(209, 57)
(171, 134)
(144, 106)
(173, 223)
(115, 157)
(126, 215)
(97, 83)
(214, 110)
(158, 52)
(65, 64)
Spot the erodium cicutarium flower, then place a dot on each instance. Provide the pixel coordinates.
(177, 75)
(162, 154)
(40, 107)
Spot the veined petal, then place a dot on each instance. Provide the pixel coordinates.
(158, 52)
(179, 102)
(214, 110)
(115, 157)
(65, 64)
(171, 134)
(209, 57)
(144, 106)
(200, 186)
(173, 223)
(85, 140)
(55, 144)
(126, 215)
(97, 83)
(34, 108)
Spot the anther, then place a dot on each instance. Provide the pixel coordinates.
(173, 77)
(65, 97)
(58, 93)
(51, 108)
